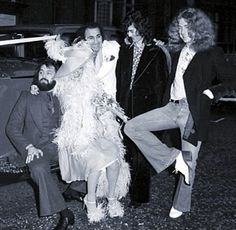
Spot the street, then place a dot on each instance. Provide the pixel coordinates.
(213, 199)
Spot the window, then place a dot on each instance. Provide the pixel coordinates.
(7, 20)
(103, 12)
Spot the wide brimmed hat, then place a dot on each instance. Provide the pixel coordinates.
(76, 57)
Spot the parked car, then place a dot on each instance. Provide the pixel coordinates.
(18, 64)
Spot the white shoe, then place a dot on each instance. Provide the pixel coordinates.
(115, 208)
(174, 213)
(182, 167)
(95, 212)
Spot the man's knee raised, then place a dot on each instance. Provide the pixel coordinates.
(129, 129)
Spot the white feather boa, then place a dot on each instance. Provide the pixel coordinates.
(80, 126)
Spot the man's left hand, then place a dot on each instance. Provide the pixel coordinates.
(34, 89)
(158, 42)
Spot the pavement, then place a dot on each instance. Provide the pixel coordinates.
(213, 198)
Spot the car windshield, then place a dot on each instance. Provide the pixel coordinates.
(27, 50)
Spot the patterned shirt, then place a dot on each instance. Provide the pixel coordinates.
(138, 49)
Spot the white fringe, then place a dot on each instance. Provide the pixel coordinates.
(80, 127)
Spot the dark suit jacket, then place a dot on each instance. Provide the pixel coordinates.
(25, 123)
(207, 70)
(149, 82)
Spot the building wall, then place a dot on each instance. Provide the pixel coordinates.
(65, 14)
(160, 13)
(56, 11)
(39, 12)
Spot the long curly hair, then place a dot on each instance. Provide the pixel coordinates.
(140, 23)
(201, 30)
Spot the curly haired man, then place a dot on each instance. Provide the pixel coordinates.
(196, 64)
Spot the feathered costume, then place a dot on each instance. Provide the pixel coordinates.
(88, 138)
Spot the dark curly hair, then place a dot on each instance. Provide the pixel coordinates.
(47, 62)
(200, 26)
(140, 23)
(80, 33)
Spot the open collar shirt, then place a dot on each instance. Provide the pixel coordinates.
(177, 87)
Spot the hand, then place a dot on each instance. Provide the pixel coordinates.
(127, 41)
(33, 152)
(208, 93)
(158, 42)
(34, 89)
(119, 114)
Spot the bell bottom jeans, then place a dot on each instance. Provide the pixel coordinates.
(160, 156)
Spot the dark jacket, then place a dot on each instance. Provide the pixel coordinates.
(207, 70)
(149, 82)
(25, 124)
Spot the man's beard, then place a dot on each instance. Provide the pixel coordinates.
(45, 85)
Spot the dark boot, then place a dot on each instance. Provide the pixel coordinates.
(71, 194)
(67, 218)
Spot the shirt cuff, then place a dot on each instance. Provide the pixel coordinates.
(208, 93)
(28, 146)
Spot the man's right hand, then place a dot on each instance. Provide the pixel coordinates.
(34, 89)
(33, 152)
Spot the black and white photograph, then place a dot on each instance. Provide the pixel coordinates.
(117, 114)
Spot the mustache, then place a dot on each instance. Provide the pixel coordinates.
(44, 80)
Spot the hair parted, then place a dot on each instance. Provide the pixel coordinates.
(200, 28)
(141, 23)
(80, 33)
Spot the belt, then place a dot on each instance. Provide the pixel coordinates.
(175, 101)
